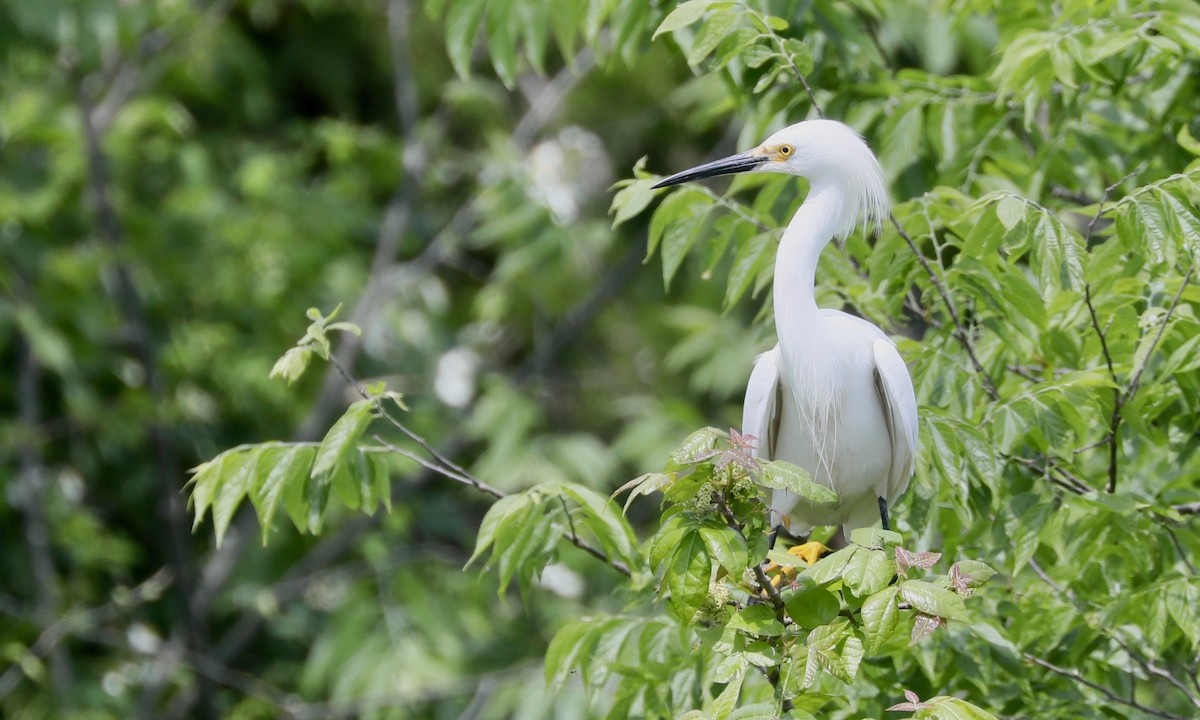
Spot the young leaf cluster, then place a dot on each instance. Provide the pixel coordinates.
(781, 644)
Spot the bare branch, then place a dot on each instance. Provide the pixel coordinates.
(1079, 678)
(469, 480)
(442, 470)
(81, 619)
(141, 346)
(28, 493)
(1048, 467)
(1114, 432)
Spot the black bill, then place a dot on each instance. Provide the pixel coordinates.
(741, 162)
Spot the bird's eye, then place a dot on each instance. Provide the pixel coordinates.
(785, 151)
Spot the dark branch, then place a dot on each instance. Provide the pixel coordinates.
(141, 346)
(1079, 678)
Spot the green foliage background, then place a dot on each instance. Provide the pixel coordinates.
(180, 181)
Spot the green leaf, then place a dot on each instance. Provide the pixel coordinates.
(644, 485)
(345, 483)
(727, 547)
(522, 548)
(688, 576)
(462, 25)
(880, 616)
(502, 35)
(1181, 598)
(711, 33)
(291, 365)
(1011, 211)
(572, 645)
(206, 480)
(979, 573)
(799, 54)
(761, 653)
(316, 497)
(830, 568)
(757, 711)
(782, 475)
(383, 484)
(952, 708)
(756, 620)
(748, 262)
(284, 468)
(683, 15)
(724, 704)
(295, 498)
(631, 200)
(870, 575)
(696, 448)
(933, 600)
(238, 474)
(678, 238)
(812, 607)
(667, 539)
(500, 512)
(870, 537)
(729, 668)
(342, 438)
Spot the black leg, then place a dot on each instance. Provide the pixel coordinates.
(883, 514)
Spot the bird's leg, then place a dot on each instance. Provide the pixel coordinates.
(883, 514)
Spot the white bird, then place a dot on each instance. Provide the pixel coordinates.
(834, 396)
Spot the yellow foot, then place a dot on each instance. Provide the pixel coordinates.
(809, 552)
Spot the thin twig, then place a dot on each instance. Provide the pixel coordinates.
(1114, 432)
(1067, 479)
(1157, 671)
(1114, 422)
(760, 577)
(1135, 381)
(1145, 663)
(1077, 677)
(73, 621)
(469, 480)
(445, 472)
(960, 332)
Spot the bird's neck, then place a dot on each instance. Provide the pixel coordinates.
(823, 214)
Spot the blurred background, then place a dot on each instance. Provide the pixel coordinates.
(179, 181)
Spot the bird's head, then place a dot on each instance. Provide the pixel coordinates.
(827, 153)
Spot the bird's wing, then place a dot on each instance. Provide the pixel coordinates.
(760, 412)
(899, 403)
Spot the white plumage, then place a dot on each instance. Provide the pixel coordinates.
(834, 396)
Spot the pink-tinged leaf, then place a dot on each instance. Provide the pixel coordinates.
(914, 703)
(924, 627)
(740, 441)
(960, 581)
(924, 560)
(740, 452)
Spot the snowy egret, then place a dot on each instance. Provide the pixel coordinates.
(833, 396)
